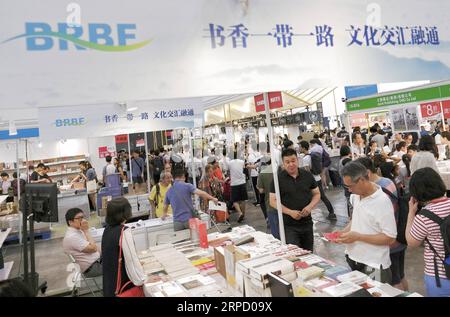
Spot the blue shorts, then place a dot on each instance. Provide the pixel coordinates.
(433, 290)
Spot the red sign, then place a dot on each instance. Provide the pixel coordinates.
(140, 142)
(430, 109)
(259, 103)
(104, 151)
(275, 101)
(123, 138)
(358, 120)
(446, 108)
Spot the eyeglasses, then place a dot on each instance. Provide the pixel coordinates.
(352, 185)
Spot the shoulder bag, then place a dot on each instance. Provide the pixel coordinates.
(136, 291)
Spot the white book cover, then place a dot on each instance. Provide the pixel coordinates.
(354, 277)
(279, 266)
(342, 289)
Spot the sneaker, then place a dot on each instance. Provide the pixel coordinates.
(256, 204)
(332, 216)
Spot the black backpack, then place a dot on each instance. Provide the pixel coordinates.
(158, 193)
(401, 216)
(158, 165)
(316, 163)
(326, 160)
(444, 225)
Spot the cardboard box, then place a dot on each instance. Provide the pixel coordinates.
(233, 254)
(219, 260)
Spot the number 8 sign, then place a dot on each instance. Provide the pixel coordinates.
(430, 109)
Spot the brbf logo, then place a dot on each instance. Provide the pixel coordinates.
(70, 122)
(40, 36)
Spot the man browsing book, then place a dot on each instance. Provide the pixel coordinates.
(372, 228)
(179, 197)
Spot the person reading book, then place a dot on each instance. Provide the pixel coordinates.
(372, 228)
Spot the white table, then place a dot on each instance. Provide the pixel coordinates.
(4, 235)
(147, 232)
(4, 273)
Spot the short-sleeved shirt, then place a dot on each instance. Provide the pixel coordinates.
(237, 175)
(179, 196)
(380, 139)
(265, 180)
(74, 243)
(425, 228)
(161, 197)
(373, 214)
(295, 194)
(35, 176)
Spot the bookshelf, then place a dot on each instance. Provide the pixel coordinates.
(61, 168)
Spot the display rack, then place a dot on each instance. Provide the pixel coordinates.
(60, 167)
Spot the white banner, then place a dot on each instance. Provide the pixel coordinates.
(113, 119)
(88, 52)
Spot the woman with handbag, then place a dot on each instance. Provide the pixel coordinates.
(123, 275)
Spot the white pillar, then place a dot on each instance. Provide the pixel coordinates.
(274, 169)
(147, 162)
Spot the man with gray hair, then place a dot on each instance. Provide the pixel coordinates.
(158, 194)
(372, 228)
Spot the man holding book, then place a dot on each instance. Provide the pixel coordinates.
(372, 228)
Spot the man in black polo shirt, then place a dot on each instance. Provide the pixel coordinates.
(299, 195)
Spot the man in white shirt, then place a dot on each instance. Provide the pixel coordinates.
(79, 243)
(237, 182)
(372, 228)
(253, 160)
(109, 168)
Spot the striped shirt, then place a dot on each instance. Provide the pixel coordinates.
(425, 228)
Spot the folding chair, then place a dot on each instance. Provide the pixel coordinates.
(78, 276)
(217, 217)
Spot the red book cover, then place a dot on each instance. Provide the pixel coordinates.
(202, 235)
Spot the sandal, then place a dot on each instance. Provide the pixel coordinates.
(241, 218)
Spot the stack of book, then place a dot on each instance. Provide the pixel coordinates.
(174, 262)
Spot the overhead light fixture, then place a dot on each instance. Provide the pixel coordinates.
(129, 109)
(12, 128)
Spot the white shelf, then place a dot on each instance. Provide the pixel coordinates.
(64, 173)
(4, 273)
(48, 164)
(4, 235)
(65, 162)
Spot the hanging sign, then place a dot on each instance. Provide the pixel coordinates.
(275, 101)
(431, 110)
(104, 151)
(123, 138)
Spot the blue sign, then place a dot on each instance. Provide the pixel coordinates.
(21, 134)
(360, 91)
